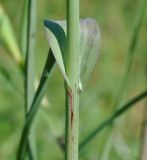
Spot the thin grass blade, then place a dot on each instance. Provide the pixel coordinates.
(35, 105)
(30, 42)
(24, 28)
(112, 118)
(8, 38)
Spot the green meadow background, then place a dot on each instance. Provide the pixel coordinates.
(116, 19)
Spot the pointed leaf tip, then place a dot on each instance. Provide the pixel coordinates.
(57, 41)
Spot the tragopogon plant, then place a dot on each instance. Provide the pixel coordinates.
(75, 47)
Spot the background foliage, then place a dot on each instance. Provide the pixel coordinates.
(96, 103)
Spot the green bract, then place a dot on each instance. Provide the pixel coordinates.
(88, 48)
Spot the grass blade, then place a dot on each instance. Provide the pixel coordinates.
(29, 43)
(30, 55)
(35, 105)
(24, 28)
(8, 38)
(57, 41)
(112, 118)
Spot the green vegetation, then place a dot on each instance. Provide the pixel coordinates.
(33, 118)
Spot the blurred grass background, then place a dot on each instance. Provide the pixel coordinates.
(115, 19)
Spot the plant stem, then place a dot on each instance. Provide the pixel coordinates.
(72, 92)
(73, 28)
(29, 47)
(30, 57)
(72, 124)
(24, 28)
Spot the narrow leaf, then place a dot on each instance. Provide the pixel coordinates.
(57, 41)
(35, 104)
(89, 46)
(30, 44)
(30, 57)
(24, 28)
(113, 117)
(8, 38)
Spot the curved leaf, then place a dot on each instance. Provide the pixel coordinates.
(89, 46)
(57, 41)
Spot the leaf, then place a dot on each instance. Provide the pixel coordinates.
(24, 27)
(90, 48)
(89, 45)
(29, 28)
(35, 104)
(30, 54)
(7, 37)
(57, 41)
(131, 51)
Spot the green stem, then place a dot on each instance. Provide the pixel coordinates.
(73, 28)
(24, 28)
(72, 93)
(30, 55)
(29, 74)
(72, 124)
(28, 49)
(113, 117)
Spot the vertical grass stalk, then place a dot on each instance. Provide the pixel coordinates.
(30, 22)
(72, 92)
(30, 57)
